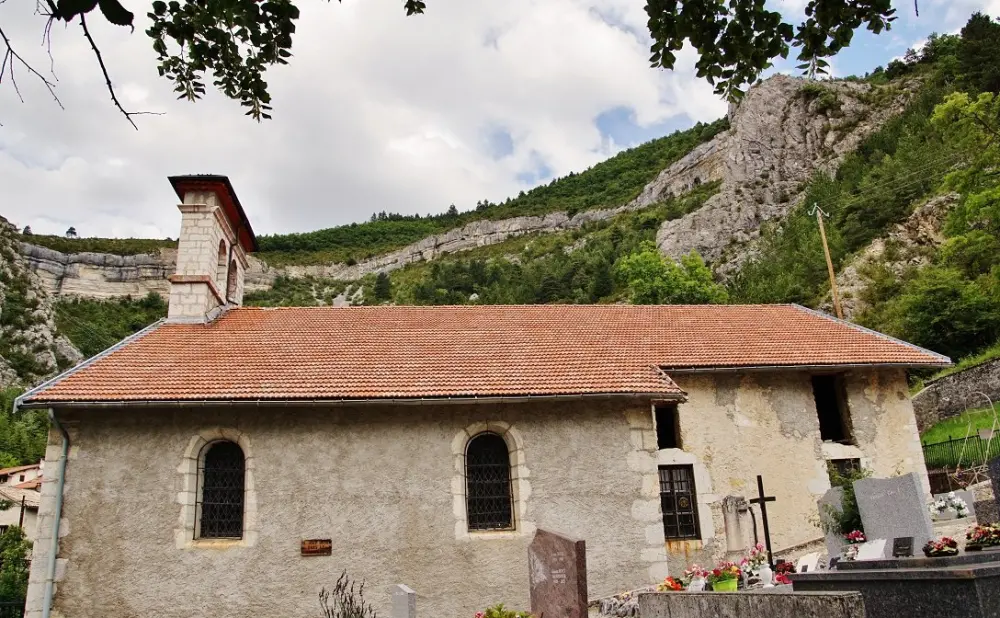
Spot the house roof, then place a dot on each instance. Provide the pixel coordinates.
(16, 469)
(362, 353)
(34, 483)
(14, 494)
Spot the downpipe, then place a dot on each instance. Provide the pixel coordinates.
(50, 566)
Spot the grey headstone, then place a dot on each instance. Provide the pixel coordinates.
(967, 496)
(894, 507)
(404, 602)
(832, 499)
(994, 472)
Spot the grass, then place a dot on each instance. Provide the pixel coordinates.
(116, 246)
(991, 353)
(956, 427)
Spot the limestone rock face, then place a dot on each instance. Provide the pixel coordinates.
(907, 245)
(30, 349)
(784, 131)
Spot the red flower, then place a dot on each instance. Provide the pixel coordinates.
(716, 572)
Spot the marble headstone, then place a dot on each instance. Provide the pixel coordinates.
(894, 507)
(404, 602)
(557, 576)
(872, 550)
(832, 499)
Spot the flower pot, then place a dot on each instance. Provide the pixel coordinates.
(766, 576)
(728, 585)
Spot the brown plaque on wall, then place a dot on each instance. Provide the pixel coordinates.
(317, 547)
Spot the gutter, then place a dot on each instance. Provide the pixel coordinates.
(50, 565)
(458, 400)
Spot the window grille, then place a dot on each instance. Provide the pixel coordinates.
(221, 474)
(488, 489)
(679, 503)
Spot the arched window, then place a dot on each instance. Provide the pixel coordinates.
(221, 496)
(220, 271)
(488, 496)
(231, 282)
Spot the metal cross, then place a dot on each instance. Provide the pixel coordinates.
(762, 500)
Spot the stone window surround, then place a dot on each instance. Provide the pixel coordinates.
(184, 532)
(519, 480)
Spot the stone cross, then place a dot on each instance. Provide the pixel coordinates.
(404, 602)
(557, 575)
(762, 500)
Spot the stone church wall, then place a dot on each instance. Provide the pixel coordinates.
(379, 481)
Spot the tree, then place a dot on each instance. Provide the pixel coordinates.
(654, 280)
(236, 41)
(383, 287)
(14, 549)
(452, 211)
(979, 54)
(26, 231)
(71, 232)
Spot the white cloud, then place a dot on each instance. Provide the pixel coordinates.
(377, 111)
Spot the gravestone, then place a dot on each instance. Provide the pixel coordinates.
(807, 563)
(557, 576)
(404, 602)
(871, 550)
(894, 507)
(994, 472)
(832, 499)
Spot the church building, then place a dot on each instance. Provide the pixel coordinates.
(230, 461)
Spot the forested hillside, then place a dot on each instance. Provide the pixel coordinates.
(913, 220)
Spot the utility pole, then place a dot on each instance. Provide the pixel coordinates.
(829, 262)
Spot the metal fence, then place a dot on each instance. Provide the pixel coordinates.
(11, 609)
(950, 454)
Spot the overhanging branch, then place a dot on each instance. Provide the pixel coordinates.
(10, 58)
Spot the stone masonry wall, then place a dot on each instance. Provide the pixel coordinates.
(736, 426)
(380, 481)
(953, 394)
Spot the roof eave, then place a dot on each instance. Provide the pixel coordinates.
(344, 401)
(812, 367)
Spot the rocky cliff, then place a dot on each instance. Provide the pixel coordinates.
(30, 349)
(784, 131)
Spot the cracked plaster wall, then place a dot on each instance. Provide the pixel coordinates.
(740, 425)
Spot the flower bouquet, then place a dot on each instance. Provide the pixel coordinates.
(855, 537)
(784, 567)
(669, 585)
(725, 577)
(949, 507)
(982, 536)
(781, 579)
(694, 578)
(944, 547)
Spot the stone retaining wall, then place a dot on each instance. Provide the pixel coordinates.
(953, 394)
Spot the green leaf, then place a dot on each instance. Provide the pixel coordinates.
(115, 13)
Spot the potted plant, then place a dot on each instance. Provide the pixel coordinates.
(853, 540)
(725, 577)
(949, 507)
(944, 547)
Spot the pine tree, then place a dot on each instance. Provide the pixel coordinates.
(26, 231)
(383, 287)
(979, 54)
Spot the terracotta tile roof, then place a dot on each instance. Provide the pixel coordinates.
(413, 352)
(31, 497)
(19, 468)
(34, 483)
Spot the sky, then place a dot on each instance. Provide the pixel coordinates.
(376, 111)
